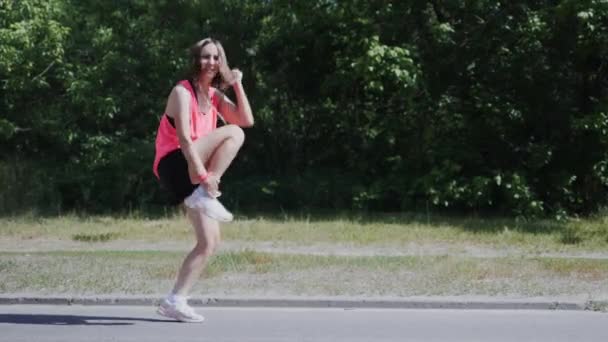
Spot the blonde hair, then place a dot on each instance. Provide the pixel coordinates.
(223, 77)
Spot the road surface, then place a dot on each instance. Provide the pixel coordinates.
(140, 323)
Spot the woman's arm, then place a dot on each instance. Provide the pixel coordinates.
(178, 107)
(240, 113)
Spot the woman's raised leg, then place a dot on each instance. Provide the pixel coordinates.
(218, 148)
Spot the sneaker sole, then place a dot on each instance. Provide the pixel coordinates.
(202, 209)
(163, 313)
(220, 219)
(215, 217)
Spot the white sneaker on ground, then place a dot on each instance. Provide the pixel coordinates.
(210, 206)
(179, 310)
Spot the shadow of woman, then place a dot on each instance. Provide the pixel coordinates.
(74, 320)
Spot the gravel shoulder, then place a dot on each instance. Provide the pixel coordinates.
(318, 249)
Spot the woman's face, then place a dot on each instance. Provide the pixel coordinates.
(210, 61)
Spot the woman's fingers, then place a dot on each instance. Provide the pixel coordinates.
(212, 186)
(237, 76)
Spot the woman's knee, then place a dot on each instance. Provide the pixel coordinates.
(236, 134)
(209, 241)
(206, 248)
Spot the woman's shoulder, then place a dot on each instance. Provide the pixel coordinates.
(181, 91)
(184, 84)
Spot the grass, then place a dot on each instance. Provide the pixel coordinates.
(395, 230)
(242, 272)
(249, 272)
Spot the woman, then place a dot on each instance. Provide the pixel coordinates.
(192, 155)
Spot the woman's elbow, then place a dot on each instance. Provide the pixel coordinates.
(248, 122)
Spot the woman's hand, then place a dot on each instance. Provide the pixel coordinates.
(212, 184)
(237, 76)
(240, 113)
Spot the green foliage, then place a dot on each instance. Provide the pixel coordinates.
(473, 106)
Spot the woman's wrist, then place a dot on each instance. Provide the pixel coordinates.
(204, 176)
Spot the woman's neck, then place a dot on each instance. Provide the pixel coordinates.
(203, 84)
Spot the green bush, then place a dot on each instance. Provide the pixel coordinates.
(468, 106)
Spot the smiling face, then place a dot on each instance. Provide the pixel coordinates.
(209, 64)
(209, 60)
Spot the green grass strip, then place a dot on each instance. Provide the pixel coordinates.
(253, 273)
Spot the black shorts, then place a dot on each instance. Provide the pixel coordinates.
(173, 174)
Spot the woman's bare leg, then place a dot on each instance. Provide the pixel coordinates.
(207, 233)
(218, 148)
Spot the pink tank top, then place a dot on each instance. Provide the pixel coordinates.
(200, 125)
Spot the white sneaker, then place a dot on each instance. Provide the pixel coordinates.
(195, 197)
(200, 199)
(180, 310)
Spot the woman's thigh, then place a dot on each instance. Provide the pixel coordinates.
(206, 145)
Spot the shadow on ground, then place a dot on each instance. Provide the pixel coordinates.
(73, 320)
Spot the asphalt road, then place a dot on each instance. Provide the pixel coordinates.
(140, 323)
